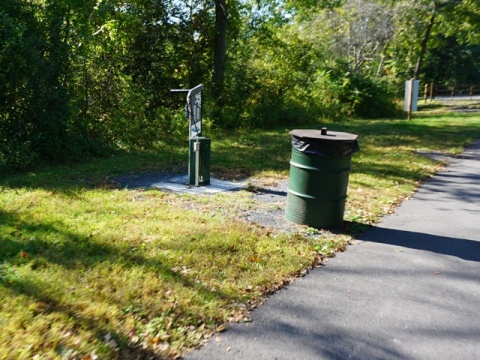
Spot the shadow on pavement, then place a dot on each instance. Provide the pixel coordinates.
(461, 248)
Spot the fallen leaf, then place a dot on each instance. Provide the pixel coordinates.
(134, 339)
(221, 328)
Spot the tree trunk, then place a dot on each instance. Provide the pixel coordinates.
(219, 59)
(424, 44)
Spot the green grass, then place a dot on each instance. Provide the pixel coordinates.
(88, 269)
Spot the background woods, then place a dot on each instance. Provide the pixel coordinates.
(82, 78)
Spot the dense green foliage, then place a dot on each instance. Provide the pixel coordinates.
(34, 102)
(80, 78)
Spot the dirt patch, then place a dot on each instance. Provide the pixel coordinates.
(270, 195)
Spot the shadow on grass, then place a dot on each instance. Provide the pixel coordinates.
(247, 153)
(426, 106)
(125, 349)
(79, 253)
(69, 179)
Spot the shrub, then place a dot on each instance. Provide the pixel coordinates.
(345, 94)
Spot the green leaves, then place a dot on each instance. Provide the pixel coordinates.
(83, 78)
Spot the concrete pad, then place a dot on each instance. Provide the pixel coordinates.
(175, 183)
(180, 184)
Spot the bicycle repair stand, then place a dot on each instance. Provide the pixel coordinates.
(199, 146)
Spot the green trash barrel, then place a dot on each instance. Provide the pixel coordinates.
(319, 169)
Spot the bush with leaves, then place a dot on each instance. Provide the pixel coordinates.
(345, 94)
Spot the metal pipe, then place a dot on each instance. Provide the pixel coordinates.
(196, 149)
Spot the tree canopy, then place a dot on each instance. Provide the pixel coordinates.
(81, 78)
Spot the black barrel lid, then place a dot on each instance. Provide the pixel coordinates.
(323, 134)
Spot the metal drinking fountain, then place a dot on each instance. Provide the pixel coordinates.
(199, 146)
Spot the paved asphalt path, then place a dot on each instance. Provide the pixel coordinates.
(408, 289)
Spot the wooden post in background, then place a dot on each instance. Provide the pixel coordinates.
(432, 87)
(410, 99)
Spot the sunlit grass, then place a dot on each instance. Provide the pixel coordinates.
(146, 269)
(89, 270)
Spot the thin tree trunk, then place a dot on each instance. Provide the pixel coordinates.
(424, 44)
(221, 23)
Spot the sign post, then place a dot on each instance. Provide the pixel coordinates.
(411, 96)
